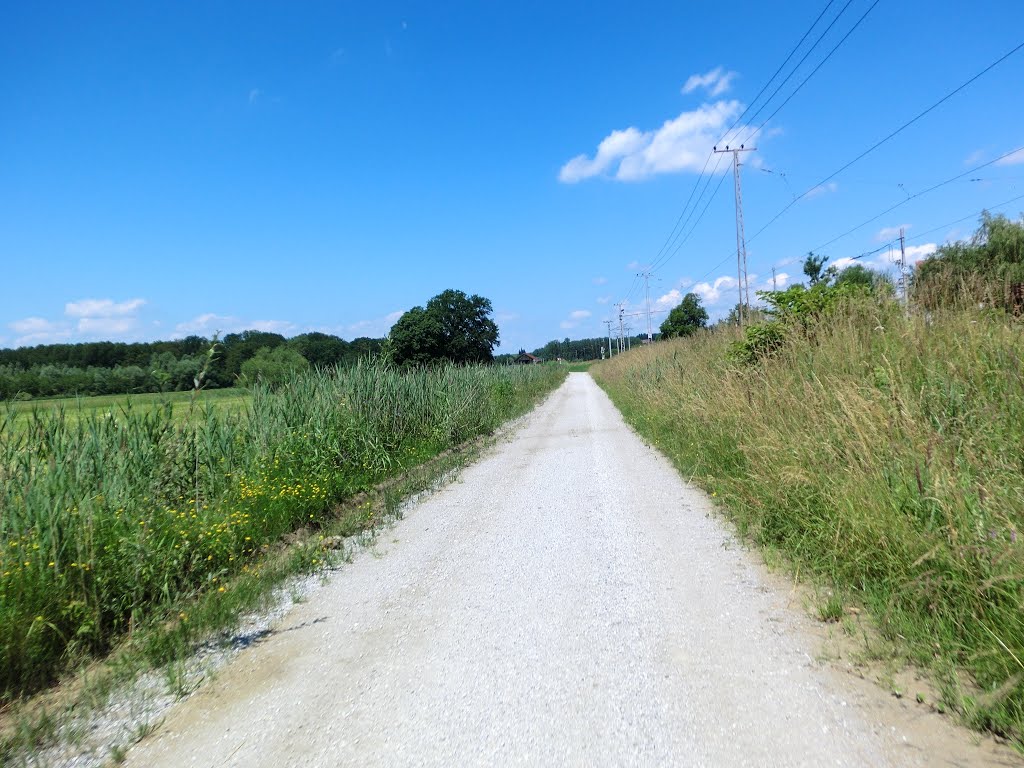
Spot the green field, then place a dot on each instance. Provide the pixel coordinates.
(233, 399)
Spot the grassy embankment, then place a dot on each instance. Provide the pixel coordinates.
(884, 455)
(115, 521)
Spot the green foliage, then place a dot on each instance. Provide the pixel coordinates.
(814, 268)
(576, 349)
(983, 269)
(273, 366)
(453, 327)
(881, 454)
(869, 280)
(796, 312)
(113, 519)
(759, 341)
(685, 319)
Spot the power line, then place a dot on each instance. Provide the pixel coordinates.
(678, 227)
(892, 135)
(965, 218)
(819, 66)
(915, 196)
(800, 63)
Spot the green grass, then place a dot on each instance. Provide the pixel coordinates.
(884, 456)
(118, 520)
(580, 367)
(233, 399)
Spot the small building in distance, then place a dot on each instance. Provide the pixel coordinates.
(525, 358)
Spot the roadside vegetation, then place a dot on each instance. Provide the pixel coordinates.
(880, 449)
(116, 520)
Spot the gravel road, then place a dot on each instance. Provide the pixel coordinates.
(568, 601)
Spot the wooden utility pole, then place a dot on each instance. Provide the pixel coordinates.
(741, 242)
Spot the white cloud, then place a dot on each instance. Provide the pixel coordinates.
(600, 280)
(917, 252)
(975, 157)
(37, 330)
(1015, 159)
(885, 234)
(711, 293)
(669, 300)
(580, 314)
(506, 317)
(680, 144)
(717, 82)
(822, 189)
(210, 323)
(254, 95)
(102, 308)
(107, 326)
(603, 299)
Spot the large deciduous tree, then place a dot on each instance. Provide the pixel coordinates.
(453, 326)
(686, 318)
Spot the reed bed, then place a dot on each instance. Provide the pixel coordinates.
(882, 453)
(112, 520)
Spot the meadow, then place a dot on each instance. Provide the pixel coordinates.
(233, 398)
(883, 456)
(126, 514)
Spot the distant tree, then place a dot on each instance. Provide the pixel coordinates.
(321, 350)
(858, 275)
(272, 366)
(750, 315)
(686, 318)
(987, 268)
(814, 268)
(453, 326)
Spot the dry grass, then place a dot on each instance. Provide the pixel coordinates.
(886, 456)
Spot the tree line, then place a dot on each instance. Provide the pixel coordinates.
(106, 368)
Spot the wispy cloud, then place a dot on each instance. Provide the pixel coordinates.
(599, 280)
(254, 95)
(603, 299)
(38, 330)
(716, 82)
(1015, 159)
(822, 189)
(103, 307)
(575, 318)
(210, 323)
(86, 319)
(885, 234)
(680, 144)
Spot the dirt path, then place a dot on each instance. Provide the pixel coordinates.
(570, 601)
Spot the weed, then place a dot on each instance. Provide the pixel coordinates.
(877, 452)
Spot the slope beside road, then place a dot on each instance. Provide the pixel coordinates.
(568, 601)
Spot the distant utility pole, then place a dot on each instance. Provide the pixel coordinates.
(609, 324)
(741, 242)
(647, 294)
(621, 337)
(773, 280)
(903, 267)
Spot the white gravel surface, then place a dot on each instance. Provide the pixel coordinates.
(569, 601)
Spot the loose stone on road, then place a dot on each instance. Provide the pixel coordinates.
(568, 601)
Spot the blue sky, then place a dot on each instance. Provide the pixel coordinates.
(175, 168)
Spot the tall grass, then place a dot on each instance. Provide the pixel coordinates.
(886, 455)
(109, 519)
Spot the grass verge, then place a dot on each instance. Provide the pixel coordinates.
(881, 455)
(109, 521)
